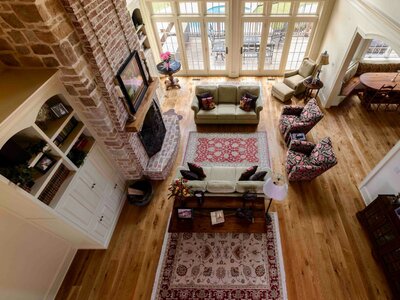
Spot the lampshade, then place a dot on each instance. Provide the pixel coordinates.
(324, 58)
(276, 191)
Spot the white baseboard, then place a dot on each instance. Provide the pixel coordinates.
(62, 271)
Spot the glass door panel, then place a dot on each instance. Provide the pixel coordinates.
(275, 43)
(192, 41)
(167, 37)
(298, 45)
(250, 49)
(216, 36)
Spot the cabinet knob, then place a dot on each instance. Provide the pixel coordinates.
(115, 186)
(93, 185)
(101, 218)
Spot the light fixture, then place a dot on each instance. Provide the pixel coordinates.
(323, 60)
(274, 188)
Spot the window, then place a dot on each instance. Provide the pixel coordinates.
(189, 8)
(280, 8)
(307, 8)
(167, 36)
(253, 8)
(216, 8)
(298, 45)
(380, 50)
(193, 46)
(276, 40)
(161, 8)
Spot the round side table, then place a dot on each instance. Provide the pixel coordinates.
(174, 67)
(312, 85)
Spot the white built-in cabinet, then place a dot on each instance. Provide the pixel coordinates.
(79, 202)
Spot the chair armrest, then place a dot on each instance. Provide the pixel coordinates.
(292, 110)
(195, 104)
(301, 146)
(304, 172)
(290, 74)
(259, 103)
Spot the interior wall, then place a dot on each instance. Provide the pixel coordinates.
(349, 17)
(30, 259)
(384, 178)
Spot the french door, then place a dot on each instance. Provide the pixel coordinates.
(273, 36)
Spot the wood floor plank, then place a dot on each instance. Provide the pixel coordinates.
(326, 253)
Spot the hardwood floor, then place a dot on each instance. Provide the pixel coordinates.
(326, 252)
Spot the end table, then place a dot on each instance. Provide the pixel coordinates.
(296, 136)
(312, 85)
(174, 67)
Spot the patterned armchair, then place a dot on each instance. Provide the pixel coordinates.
(305, 160)
(299, 119)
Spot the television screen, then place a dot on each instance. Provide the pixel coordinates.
(132, 81)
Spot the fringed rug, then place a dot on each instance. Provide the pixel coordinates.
(221, 266)
(227, 149)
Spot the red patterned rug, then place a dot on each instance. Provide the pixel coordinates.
(228, 149)
(221, 266)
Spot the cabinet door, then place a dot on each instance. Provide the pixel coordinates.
(114, 197)
(102, 222)
(93, 178)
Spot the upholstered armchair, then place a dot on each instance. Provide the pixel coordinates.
(295, 118)
(294, 79)
(305, 160)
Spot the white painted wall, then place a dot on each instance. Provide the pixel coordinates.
(384, 178)
(348, 17)
(30, 260)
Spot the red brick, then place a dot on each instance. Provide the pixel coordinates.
(9, 60)
(41, 49)
(12, 20)
(28, 13)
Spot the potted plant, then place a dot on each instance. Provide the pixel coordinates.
(179, 190)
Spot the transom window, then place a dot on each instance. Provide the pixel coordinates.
(253, 8)
(281, 8)
(380, 50)
(216, 8)
(189, 8)
(162, 8)
(307, 8)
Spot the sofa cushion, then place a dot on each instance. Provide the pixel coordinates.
(249, 186)
(293, 81)
(221, 186)
(245, 115)
(311, 112)
(226, 111)
(213, 89)
(306, 68)
(207, 114)
(227, 94)
(251, 89)
(197, 185)
(222, 173)
(323, 154)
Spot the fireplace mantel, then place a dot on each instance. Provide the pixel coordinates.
(136, 125)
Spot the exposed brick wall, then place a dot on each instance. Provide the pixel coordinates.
(87, 40)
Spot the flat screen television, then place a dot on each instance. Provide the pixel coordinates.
(132, 80)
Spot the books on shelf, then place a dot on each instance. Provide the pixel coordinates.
(81, 142)
(66, 131)
(217, 217)
(54, 184)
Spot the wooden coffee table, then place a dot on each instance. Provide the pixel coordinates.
(201, 221)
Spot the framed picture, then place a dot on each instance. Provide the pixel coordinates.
(185, 213)
(44, 163)
(59, 110)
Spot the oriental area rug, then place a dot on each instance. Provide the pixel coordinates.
(227, 149)
(221, 266)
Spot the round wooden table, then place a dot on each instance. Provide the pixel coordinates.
(312, 85)
(174, 67)
(376, 80)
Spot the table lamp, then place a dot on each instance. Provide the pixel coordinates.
(323, 60)
(274, 188)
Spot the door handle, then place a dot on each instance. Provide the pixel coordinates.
(241, 50)
(226, 50)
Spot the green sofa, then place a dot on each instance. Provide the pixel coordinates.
(227, 99)
(224, 181)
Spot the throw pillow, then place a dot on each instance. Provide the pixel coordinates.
(258, 176)
(207, 103)
(246, 104)
(189, 175)
(195, 168)
(253, 97)
(246, 174)
(201, 96)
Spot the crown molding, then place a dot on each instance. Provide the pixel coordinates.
(368, 6)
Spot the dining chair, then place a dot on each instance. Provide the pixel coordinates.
(383, 97)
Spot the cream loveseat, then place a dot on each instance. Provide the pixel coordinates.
(224, 181)
(227, 99)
